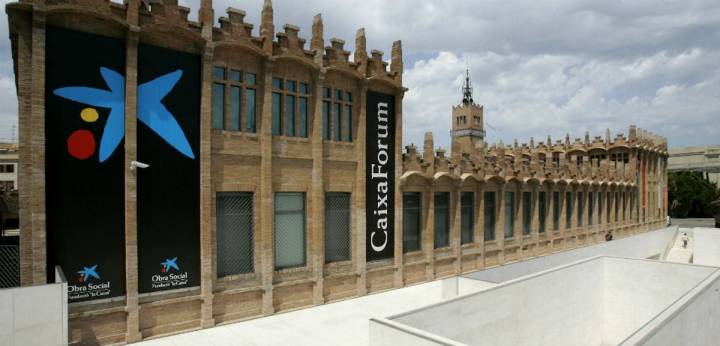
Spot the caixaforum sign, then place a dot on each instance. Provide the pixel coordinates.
(380, 175)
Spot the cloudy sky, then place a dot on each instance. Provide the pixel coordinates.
(538, 67)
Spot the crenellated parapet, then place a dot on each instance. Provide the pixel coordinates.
(586, 160)
(232, 29)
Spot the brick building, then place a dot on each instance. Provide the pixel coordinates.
(184, 175)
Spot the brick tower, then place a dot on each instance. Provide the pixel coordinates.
(467, 122)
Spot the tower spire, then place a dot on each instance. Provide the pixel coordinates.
(467, 89)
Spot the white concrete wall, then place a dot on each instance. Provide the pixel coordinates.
(530, 311)
(635, 291)
(34, 315)
(693, 320)
(706, 246)
(638, 246)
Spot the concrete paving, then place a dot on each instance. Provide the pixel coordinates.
(678, 253)
(341, 323)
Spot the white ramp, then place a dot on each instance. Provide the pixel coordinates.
(707, 246)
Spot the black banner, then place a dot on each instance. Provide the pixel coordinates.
(380, 175)
(168, 135)
(84, 154)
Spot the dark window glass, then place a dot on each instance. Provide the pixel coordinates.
(218, 73)
(347, 123)
(348, 96)
(411, 221)
(489, 215)
(442, 219)
(609, 206)
(467, 217)
(338, 94)
(542, 210)
(591, 203)
(236, 76)
(617, 205)
(250, 78)
(337, 226)
(303, 117)
(527, 211)
(581, 210)
(291, 85)
(289, 229)
(235, 93)
(326, 120)
(568, 209)
(326, 92)
(250, 102)
(556, 210)
(276, 113)
(509, 206)
(10, 169)
(290, 112)
(277, 83)
(234, 223)
(218, 106)
(304, 88)
(336, 121)
(600, 207)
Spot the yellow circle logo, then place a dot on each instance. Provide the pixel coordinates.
(89, 114)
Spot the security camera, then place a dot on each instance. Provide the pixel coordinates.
(138, 164)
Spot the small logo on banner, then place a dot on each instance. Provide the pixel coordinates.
(170, 275)
(88, 285)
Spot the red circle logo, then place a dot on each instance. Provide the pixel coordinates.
(81, 144)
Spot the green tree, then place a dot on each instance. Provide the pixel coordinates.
(691, 195)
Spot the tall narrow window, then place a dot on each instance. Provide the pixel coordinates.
(276, 113)
(411, 221)
(542, 210)
(509, 206)
(556, 210)
(289, 229)
(442, 219)
(347, 123)
(581, 210)
(290, 114)
(527, 212)
(591, 204)
(326, 120)
(337, 110)
(617, 205)
(600, 207)
(624, 204)
(467, 217)
(218, 106)
(568, 209)
(303, 117)
(337, 226)
(234, 83)
(234, 223)
(235, 93)
(489, 215)
(609, 206)
(251, 110)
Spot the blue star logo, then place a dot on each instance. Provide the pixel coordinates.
(170, 263)
(89, 272)
(150, 110)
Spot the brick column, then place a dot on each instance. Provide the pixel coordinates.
(455, 241)
(428, 234)
(360, 240)
(317, 222)
(479, 229)
(131, 249)
(500, 223)
(266, 207)
(208, 274)
(39, 229)
(23, 26)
